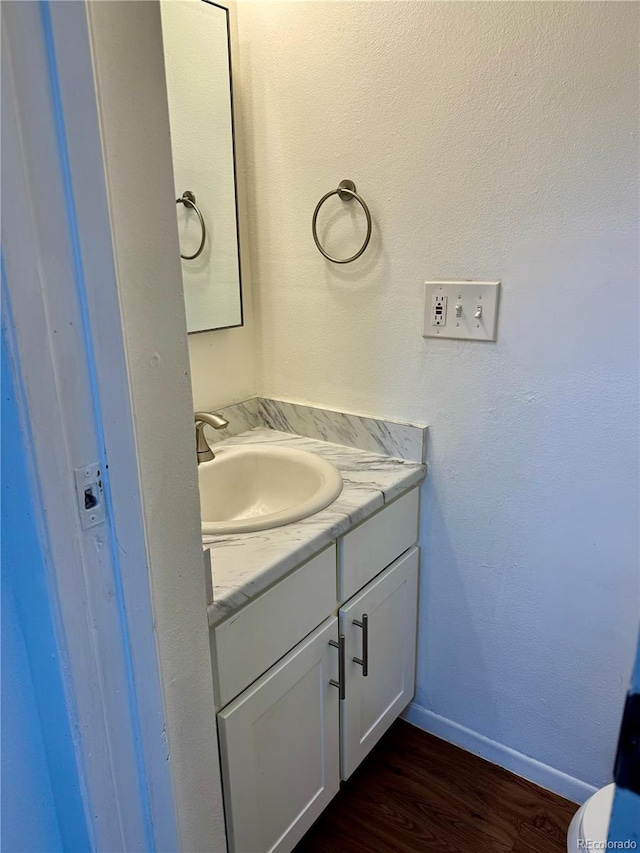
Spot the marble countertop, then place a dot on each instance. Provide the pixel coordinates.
(246, 564)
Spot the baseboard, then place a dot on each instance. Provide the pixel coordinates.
(497, 753)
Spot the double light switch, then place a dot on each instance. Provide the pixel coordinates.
(461, 309)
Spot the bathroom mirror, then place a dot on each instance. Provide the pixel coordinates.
(198, 73)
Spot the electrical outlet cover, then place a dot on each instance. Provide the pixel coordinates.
(476, 303)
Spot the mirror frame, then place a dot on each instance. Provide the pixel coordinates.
(235, 176)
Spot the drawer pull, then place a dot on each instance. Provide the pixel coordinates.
(364, 660)
(342, 665)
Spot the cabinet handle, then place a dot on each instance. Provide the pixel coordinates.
(364, 660)
(342, 665)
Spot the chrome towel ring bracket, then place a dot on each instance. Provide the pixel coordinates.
(189, 200)
(347, 192)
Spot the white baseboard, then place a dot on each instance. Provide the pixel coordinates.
(497, 753)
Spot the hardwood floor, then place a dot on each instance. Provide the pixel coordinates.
(417, 794)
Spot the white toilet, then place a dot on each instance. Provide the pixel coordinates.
(590, 825)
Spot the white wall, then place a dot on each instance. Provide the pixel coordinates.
(223, 364)
(491, 140)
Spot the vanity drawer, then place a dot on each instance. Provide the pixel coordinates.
(251, 641)
(366, 551)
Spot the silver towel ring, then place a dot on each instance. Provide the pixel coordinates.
(189, 200)
(347, 191)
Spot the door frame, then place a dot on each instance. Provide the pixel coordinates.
(624, 827)
(93, 310)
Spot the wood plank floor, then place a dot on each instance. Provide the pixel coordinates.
(417, 794)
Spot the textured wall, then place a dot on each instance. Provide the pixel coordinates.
(491, 140)
(223, 365)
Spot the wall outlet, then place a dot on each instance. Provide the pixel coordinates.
(439, 310)
(476, 310)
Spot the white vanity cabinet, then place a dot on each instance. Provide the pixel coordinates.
(308, 720)
(279, 744)
(379, 626)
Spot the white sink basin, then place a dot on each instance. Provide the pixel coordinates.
(257, 487)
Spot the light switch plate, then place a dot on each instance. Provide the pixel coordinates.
(471, 313)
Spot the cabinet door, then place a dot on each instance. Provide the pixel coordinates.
(279, 748)
(374, 701)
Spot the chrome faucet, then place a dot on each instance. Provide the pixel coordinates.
(203, 452)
